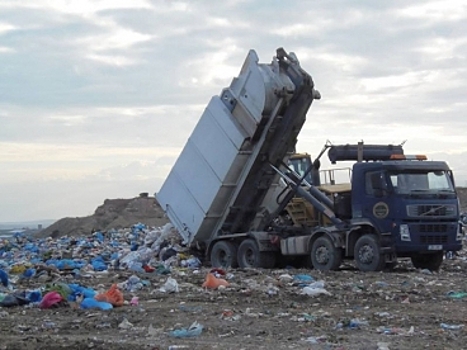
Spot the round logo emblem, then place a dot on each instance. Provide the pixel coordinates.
(380, 210)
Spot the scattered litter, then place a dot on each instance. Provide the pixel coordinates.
(85, 278)
(193, 331)
(51, 299)
(314, 291)
(125, 324)
(357, 323)
(451, 327)
(457, 295)
(90, 303)
(383, 346)
(212, 282)
(113, 296)
(170, 286)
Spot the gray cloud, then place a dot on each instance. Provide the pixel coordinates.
(90, 91)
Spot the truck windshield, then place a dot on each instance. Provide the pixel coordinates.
(421, 181)
(300, 165)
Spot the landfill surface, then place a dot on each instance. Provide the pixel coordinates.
(139, 288)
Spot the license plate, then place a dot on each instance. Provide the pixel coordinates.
(435, 247)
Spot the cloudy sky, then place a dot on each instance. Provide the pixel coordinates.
(97, 97)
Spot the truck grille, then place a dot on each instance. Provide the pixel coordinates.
(425, 239)
(433, 228)
(428, 210)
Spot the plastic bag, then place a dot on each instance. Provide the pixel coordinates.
(165, 232)
(34, 296)
(76, 290)
(193, 331)
(151, 237)
(14, 300)
(170, 286)
(212, 282)
(4, 278)
(90, 303)
(314, 291)
(51, 299)
(113, 296)
(304, 278)
(98, 264)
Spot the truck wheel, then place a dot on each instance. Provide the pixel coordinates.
(324, 256)
(367, 254)
(431, 262)
(248, 255)
(224, 254)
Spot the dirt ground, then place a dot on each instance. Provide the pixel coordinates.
(403, 309)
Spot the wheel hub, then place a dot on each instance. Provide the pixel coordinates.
(366, 254)
(322, 255)
(250, 257)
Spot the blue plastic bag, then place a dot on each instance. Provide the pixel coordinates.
(4, 278)
(90, 303)
(193, 331)
(29, 273)
(77, 289)
(34, 296)
(98, 264)
(304, 278)
(99, 236)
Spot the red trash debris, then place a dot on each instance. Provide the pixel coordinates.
(50, 299)
(212, 282)
(113, 296)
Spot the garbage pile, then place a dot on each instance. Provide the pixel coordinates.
(144, 285)
(54, 262)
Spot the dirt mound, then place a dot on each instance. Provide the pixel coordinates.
(113, 214)
(123, 213)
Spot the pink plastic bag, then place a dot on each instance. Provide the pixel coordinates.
(50, 299)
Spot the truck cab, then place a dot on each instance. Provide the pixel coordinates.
(408, 206)
(413, 200)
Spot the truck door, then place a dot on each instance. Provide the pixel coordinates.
(376, 200)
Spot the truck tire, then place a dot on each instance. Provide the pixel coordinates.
(367, 254)
(324, 255)
(248, 255)
(224, 254)
(431, 261)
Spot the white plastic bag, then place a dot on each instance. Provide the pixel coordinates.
(170, 286)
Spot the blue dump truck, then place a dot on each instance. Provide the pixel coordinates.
(239, 193)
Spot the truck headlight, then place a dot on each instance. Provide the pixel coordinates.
(404, 232)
